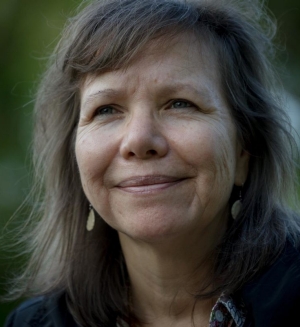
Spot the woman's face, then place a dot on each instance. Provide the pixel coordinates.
(156, 145)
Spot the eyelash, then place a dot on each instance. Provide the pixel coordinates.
(187, 104)
(98, 110)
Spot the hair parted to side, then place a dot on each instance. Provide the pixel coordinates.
(106, 35)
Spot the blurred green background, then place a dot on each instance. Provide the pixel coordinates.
(29, 30)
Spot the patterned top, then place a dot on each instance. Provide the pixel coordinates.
(226, 313)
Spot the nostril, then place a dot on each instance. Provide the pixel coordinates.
(146, 154)
(146, 145)
(131, 154)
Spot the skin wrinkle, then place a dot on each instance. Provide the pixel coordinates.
(154, 48)
(187, 143)
(108, 94)
(134, 91)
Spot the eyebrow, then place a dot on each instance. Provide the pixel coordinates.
(205, 94)
(201, 91)
(108, 93)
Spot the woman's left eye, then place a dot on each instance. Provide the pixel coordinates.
(179, 104)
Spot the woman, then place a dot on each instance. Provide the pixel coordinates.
(167, 173)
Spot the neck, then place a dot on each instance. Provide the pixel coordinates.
(164, 278)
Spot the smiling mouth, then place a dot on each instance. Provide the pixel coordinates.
(148, 184)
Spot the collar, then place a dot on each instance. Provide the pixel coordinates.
(227, 313)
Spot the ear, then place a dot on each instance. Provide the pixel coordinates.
(242, 166)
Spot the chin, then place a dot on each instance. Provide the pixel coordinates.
(151, 234)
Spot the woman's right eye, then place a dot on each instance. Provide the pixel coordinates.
(106, 110)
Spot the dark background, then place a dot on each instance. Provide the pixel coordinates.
(29, 30)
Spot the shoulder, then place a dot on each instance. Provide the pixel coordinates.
(43, 311)
(28, 313)
(273, 298)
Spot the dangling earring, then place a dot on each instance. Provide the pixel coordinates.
(237, 206)
(91, 219)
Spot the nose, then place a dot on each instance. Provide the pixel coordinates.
(143, 138)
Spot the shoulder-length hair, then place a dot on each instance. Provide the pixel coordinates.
(106, 35)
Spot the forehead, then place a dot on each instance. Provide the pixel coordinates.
(177, 67)
(167, 55)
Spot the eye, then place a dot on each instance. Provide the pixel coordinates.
(106, 110)
(180, 104)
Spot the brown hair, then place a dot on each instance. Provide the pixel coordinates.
(104, 36)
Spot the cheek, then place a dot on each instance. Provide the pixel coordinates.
(207, 145)
(224, 161)
(210, 151)
(92, 155)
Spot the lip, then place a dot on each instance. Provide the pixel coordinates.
(148, 184)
